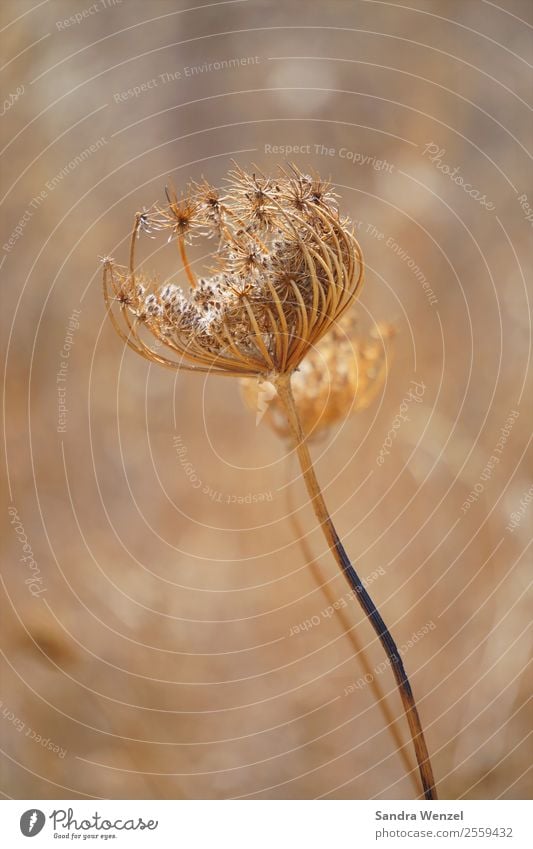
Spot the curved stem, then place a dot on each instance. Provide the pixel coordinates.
(283, 384)
(379, 694)
(188, 270)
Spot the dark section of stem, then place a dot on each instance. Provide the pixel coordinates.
(374, 685)
(283, 383)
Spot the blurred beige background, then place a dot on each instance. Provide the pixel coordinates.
(146, 638)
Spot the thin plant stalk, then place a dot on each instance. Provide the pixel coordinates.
(374, 685)
(283, 385)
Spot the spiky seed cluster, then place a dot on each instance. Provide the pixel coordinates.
(287, 268)
(343, 374)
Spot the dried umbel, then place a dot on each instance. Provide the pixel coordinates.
(341, 375)
(287, 267)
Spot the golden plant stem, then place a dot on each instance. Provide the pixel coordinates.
(283, 385)
(188, 270)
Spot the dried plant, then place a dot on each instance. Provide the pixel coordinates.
(287, 267)
(341, 375)
(338, 378)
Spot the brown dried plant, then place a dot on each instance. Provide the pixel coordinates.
(340, 376)
(287, 267)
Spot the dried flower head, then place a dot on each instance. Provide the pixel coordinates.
(287, 267)
(343, 374)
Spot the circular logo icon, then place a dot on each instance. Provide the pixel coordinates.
(31, 822)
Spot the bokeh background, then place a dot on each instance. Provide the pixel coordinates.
(156, 653)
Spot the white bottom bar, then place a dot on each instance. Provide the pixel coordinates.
(267, 824)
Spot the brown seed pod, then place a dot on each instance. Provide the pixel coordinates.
(341, 375)
(288, 268)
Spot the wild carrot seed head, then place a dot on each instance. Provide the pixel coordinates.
(287, 267)
(341, 375)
